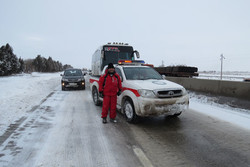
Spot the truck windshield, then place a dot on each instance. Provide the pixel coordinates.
(141, 73)
(112, 54)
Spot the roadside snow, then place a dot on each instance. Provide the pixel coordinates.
(224, 112)
(234, 116)
(210, 105)
(19, 93)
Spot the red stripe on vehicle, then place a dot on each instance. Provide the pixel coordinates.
(92, 80)
(132, 90)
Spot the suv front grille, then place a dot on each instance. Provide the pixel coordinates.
(72, 80)
(168, 93)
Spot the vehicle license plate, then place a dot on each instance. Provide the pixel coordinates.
(175, 108)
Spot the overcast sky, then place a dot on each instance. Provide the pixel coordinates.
(175, 32)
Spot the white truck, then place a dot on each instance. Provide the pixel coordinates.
(144, 92)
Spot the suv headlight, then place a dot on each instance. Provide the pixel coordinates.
(184, 91)
(146, 93)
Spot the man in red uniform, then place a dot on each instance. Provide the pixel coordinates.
(109, 86)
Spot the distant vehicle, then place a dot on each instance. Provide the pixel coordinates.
(73, 78)
(178, 71)
(111, 53)
(85, 72)
(247, 79)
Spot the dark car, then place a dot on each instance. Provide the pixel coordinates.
(73, 78)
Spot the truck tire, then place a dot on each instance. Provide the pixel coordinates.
(95, 96)
(129, 111)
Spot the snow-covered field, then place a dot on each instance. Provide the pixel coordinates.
(20, 93)
(227, 75)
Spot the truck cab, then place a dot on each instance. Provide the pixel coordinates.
(111, 53)
(145, 92)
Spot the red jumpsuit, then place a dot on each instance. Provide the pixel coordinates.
(112, 84)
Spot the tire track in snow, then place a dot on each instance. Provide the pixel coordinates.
(13, 127)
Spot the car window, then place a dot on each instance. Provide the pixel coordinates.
(118, 71)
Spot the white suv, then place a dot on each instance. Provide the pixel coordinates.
(146, 93)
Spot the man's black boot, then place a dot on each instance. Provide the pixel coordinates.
(113, 120)
(104, 120)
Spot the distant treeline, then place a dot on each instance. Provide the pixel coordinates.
(41, 64)
(10, 64)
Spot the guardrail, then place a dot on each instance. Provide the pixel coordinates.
(225, 88)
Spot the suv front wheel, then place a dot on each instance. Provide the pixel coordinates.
(129, 111)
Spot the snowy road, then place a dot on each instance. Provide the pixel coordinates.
(65, 129)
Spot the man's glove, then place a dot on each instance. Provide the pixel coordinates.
(119, 93)
(101, 94)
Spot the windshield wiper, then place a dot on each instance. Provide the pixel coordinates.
(152, 78)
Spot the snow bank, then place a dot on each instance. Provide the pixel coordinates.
(207, 105)
(19, 93)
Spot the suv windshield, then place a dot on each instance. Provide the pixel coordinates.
(73, 72)
(141, 73)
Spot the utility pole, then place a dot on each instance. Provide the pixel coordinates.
(221, 59)
(162, 63)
